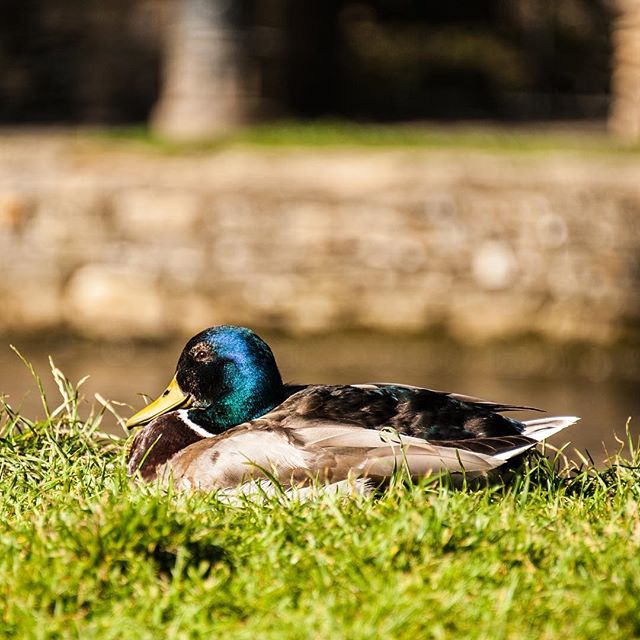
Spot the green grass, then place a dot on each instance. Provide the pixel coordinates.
(83, 553)
(328, 134)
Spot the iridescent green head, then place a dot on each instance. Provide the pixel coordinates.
(226, 375)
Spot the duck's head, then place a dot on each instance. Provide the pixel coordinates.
(225, 375)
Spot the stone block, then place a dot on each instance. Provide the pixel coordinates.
(14, 210)
(107, 301)
(157, 215)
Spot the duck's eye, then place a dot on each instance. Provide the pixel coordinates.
(200, 354)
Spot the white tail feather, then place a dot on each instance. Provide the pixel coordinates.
(543, 428)
(512, 453)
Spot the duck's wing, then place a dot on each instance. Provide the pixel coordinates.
(345, 449)
(468, 400)
(301, 452)
(414, 411)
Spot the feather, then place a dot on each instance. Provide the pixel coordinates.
(543, 428)
(299, 453)
(471, 400)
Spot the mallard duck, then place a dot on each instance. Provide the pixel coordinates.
(227, 422)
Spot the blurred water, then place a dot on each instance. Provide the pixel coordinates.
(120, 372)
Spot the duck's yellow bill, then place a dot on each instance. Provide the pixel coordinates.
(171, 398)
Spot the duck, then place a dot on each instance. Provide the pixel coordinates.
(228, 423)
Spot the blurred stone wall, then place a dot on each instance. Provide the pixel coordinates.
(114, 241)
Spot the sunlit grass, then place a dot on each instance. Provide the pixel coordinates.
(84, 553)
(345, 134)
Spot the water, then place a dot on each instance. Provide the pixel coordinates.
(512, 375)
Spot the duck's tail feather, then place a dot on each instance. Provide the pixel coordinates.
(543, 428)
(507, 454)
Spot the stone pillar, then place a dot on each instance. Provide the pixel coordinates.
(202, 89)
(624, 116)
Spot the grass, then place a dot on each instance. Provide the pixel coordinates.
(84, 553)
(340, 134)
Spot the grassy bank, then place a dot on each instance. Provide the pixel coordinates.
(85, 554)
(327, 134)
